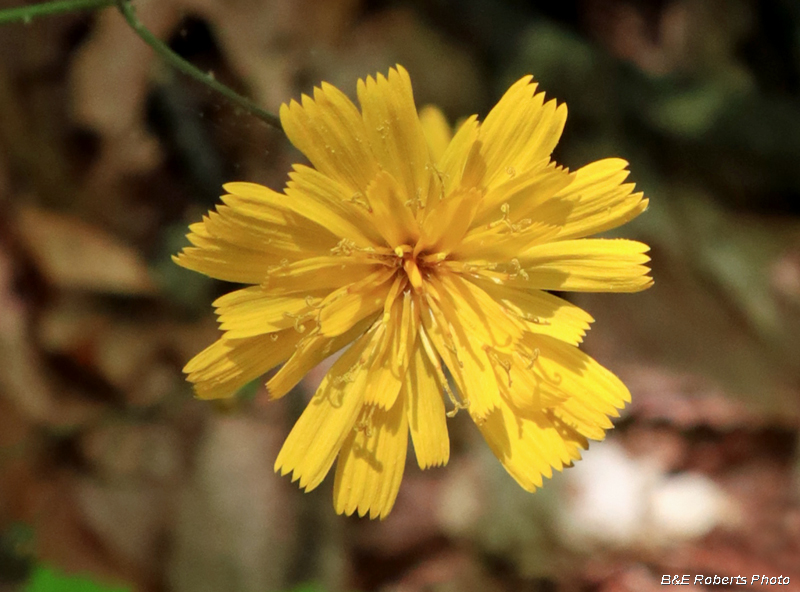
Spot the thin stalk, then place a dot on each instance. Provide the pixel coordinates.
(25, 14)
(172, 58)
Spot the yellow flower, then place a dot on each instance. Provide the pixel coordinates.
(429, 255)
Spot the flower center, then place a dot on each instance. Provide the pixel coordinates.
(412, 265)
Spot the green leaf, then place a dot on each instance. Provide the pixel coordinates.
(46, 579)
(308, 587)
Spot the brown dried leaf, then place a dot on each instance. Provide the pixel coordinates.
(137, 358)
(111, 70)
(21, 376)
(62, 538)
(409, 526)
(268, 42)
(446, 570)
(235, 518)
(72, 254)
(129, 519)
(683, 399)
(17, 475)
(441, 73)
(134, 452)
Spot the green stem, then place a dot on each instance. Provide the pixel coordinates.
(26, 14)
(163, 50)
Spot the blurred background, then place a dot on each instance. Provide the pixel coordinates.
(112, 477)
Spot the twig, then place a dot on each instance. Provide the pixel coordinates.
(163, 50)
(26, 14)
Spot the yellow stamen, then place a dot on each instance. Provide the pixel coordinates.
(413, 273)
(364, 423)
(495, 358)
(517, 270)
(427, 346)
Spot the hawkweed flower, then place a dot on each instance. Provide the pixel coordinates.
(430, 255)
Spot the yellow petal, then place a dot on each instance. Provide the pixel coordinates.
(521, 385)
(507, 221)
(329, 130)
(474, 167)
(276, 234)
(317, 437)
(391, 211)
(384, 384)
(427, 418)
(466, 359)
(391, 365)
(262, 204)
(447, 221)
(517, 198)
(451, 167)
(252, 311)
(323, 200)
(592, 393)
(543, 313)
(598, 199)
(229, 364)
(395, 132)
(496, 244)
(436, 129)
(593, 265)
(468, 306)
(307, 354)
(307, 195)
(519, 132)
(531, 446)
(405, 334)
(314, 274)
(371, 463)
(236, 247)
(349, 305)
(229, 264)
